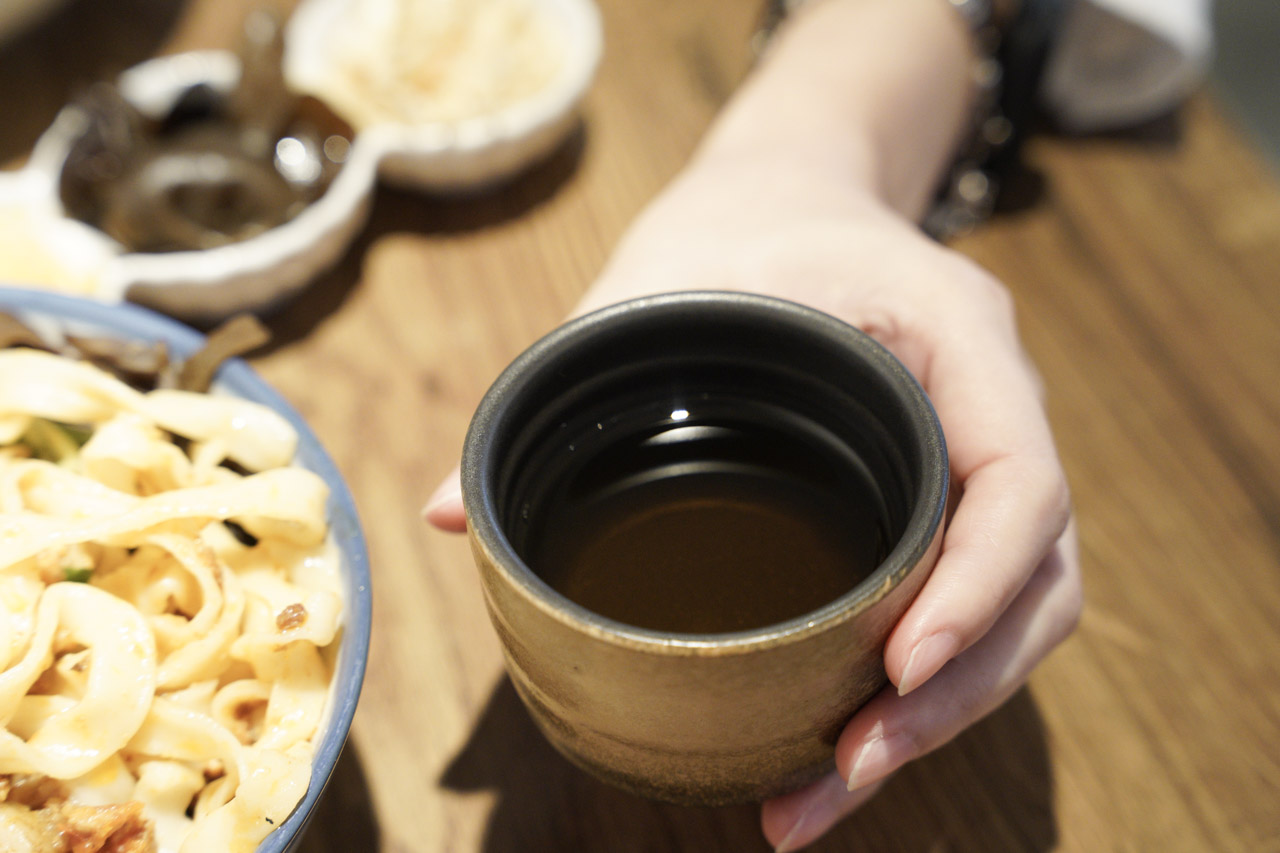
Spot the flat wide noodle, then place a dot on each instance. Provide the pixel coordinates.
(273, 784)
(287, 503)
(75, 739)
(49, 386)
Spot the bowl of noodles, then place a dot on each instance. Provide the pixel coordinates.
(184, 592)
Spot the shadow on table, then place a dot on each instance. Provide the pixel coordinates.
(56, 58)
(344, 819)
(990, 789)
(1023, 187)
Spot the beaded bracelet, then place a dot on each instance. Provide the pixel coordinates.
(968, 193)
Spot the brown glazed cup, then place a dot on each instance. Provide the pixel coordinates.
(700, 718)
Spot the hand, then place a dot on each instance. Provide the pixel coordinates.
(1006, 589)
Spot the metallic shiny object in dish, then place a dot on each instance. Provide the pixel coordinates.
(189, 256)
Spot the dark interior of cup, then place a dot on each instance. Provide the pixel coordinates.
(783, 436)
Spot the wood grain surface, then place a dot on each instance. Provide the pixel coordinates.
(1145, 267)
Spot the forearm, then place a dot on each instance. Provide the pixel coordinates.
(872, 93)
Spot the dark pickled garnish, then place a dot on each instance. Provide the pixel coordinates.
(146, 365)
(217, 168)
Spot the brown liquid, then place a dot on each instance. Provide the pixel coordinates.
(710, 530)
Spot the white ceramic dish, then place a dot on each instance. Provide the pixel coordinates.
(252, 275)
(467, 154)
(258, 273)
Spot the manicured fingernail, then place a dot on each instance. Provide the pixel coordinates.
(828, 801)
(788, 842)
(446, 493)
(879, 757)
(929, 656)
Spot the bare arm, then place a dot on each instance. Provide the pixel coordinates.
(872, 93)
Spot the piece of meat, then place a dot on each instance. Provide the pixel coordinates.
(31, 790)
(117, 828)
(23, 830)
(292, 616)
(70, 828)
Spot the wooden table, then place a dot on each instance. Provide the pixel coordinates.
(1145, 268)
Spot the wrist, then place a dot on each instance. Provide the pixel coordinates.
(874, 94)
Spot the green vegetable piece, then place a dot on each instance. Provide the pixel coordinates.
(52, 441)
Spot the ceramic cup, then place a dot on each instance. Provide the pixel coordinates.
(699, 718)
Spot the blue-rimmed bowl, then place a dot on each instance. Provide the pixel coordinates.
(80, 316)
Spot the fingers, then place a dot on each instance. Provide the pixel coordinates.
(799, 818)
(1011, 513)
(444, 508)
(1014, 501)
(892, 729)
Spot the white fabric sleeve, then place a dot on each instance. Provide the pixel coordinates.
(1119, 62)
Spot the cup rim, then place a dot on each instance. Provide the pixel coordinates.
(479, 463)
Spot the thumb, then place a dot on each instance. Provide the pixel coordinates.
(444, 507)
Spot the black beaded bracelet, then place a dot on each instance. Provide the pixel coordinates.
(968, 192)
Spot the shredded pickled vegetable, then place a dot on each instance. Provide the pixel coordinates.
(422, 61)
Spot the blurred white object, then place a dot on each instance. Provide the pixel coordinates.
(1119, 62)
(42, 248)
(209, 284)
(453, 94)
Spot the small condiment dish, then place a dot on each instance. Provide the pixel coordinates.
(447, 154)
(208, 284)
(259, 272)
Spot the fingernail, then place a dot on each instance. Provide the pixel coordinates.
(929, 656)
(879, 757)
(788, 842)
(445, 493)
(828, 802)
